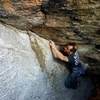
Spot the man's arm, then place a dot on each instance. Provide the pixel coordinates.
(57, 53)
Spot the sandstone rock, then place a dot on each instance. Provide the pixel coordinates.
(57, 16)
(22, 14)
(57, 21)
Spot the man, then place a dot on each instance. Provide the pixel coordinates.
(71, 56)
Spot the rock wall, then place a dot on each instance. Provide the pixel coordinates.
(61, 18)
(28, 70)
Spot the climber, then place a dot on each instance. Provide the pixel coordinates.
(71, 56)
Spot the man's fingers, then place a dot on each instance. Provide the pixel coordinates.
(50, 44)
(50, 41)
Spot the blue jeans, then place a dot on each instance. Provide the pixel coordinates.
(72, 81)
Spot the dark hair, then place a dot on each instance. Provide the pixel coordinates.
(66, 45)
(72, 44)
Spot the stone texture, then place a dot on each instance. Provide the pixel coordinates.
(68, 14)
(71, 16)
(32, 73)
(21, 14)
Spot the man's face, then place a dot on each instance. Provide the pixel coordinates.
(68, 49)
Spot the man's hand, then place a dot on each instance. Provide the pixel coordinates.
(56, 52)
(52, 44)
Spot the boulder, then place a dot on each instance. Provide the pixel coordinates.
(28, 70)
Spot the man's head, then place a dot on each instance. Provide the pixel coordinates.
(69, 48)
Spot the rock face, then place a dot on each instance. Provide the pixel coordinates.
(22, 75)
(31, 73)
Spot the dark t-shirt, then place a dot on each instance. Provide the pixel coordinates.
(76, 66)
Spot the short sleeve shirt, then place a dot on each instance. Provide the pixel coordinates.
(74, 61)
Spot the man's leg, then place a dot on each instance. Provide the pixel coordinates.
(71, 81)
